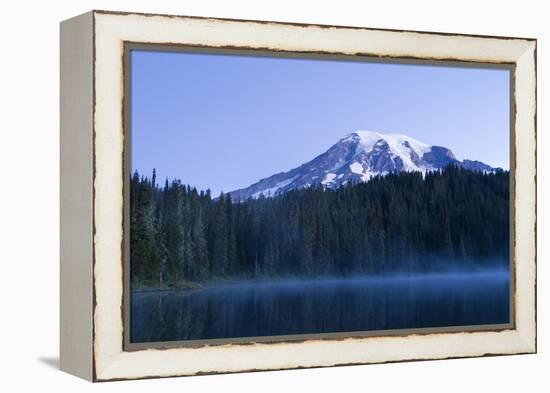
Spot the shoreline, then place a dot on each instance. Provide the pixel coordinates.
(190, 286)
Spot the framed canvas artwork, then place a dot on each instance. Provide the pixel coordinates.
(246, 195)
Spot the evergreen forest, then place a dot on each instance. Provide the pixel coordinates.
(401, 222)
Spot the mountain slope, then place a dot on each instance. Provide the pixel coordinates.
(357, 158)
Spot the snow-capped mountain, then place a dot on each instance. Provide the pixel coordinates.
(358, 157)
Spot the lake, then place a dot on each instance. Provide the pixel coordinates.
(270, 308)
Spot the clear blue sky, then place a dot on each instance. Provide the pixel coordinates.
(223, 121)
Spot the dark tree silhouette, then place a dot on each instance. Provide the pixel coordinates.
(447, 219)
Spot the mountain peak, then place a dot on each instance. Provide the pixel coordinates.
(357, 157)
(367, 139)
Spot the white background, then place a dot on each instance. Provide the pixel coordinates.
(29, 204)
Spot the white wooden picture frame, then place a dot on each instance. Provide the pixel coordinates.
(92, 194)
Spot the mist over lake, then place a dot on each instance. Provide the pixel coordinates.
(325, 305)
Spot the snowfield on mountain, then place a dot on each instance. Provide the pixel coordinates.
(358, 157)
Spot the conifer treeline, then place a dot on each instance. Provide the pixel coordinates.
(399, 222)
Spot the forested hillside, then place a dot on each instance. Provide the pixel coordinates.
(449, 219)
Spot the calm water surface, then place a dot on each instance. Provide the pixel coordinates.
(251, 309)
